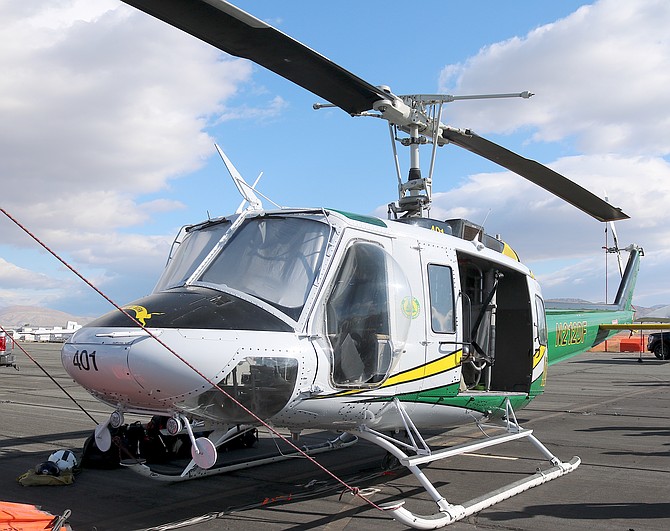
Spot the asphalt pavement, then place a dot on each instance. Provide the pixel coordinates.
(607, 408)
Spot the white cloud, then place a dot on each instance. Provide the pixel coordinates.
(543, 228)
(274, 108)
(18, 277)
(115, 99)
(101, 107)
(601, 77)
(22, 286)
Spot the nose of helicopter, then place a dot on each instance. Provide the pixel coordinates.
(128, 366)
(209, 334)
(226, 376)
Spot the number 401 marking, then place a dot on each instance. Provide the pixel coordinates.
(85, 360)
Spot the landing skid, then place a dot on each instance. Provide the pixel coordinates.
(449, 513)
(193, 471)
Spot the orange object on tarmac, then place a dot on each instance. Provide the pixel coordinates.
(24, 517)
(633, 344)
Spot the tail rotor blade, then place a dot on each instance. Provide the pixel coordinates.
(615, 238)
(616, 247)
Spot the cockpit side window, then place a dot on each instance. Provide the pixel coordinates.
(275, 259)
(190, 253)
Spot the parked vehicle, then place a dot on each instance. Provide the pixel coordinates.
(7, 358)
(659, 344)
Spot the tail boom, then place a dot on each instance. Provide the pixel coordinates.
(577, 327)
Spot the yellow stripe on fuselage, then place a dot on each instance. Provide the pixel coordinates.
(438, 366)
(508, 251)
(443, 364)
(539, 354)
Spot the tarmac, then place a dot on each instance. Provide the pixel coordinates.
(606, 407)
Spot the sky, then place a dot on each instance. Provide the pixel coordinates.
(109, 118)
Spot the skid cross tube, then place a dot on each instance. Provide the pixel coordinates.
(192, 471)
(449, 513)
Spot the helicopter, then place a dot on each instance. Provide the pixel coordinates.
(319, 318)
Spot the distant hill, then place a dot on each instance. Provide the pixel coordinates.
(569, 300)
(640, 311)
(17, 316)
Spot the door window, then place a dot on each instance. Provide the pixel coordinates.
(441, 287)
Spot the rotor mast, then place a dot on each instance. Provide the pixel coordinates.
(414, 195)
(419, 116)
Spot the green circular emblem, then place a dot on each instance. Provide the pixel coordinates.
(410, 307)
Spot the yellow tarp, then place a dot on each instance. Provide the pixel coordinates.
(31, 479)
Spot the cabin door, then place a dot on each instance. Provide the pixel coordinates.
(444, 323)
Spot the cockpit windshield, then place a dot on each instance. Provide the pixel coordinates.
(275, 259)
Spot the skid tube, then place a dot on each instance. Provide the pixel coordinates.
(449, 513)
(192, 471)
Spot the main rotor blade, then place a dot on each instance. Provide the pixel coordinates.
(536, 173)
(238, 33)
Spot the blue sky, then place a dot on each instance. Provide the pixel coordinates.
(109, 120)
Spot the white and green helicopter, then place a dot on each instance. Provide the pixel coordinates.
(316, 318)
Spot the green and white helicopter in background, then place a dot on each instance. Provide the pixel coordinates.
(315, 318)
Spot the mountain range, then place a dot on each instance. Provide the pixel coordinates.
(34, 316)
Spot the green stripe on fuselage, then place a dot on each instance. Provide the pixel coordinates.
(485, 402)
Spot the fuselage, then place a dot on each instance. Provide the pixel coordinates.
(323, 319)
